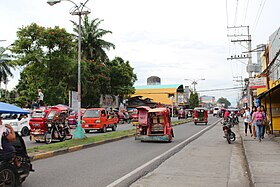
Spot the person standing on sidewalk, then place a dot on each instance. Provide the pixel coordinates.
(265, 120)
(254, 109)
(258, 119)
(247, 119)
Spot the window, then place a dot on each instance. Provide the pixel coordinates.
(92, 114)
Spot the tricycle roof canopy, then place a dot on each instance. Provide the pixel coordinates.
(157, 110)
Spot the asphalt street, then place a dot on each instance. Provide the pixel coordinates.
(101, 165)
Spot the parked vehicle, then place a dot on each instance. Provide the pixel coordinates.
(98, 119)
(200, 115)
(216, 111)
(154, 125)
(134, 116)
(73, 118)
(19, 122)
(57, 126)
(228, 133)
(38, 122)
(120, 117)
(181, 114)
(189, 113)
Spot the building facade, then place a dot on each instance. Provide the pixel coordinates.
(270, 95)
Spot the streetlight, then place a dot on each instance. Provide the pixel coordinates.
(194, 82)
(77, 10)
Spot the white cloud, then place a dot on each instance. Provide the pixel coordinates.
(175, 39)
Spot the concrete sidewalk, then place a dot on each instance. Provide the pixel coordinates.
(207, 161)
(263, 159)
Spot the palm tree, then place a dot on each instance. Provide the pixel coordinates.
(93, 46)
(5, 67)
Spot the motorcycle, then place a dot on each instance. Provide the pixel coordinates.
(57, 131)
(10, 173)
(228, 133)
(57, 127)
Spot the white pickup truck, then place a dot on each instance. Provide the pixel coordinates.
(20, 122)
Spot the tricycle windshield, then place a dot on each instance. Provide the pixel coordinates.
(9, 116)
(38, 114)
(92, 114)
(51, 115)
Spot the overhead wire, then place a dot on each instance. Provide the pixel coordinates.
(245, 13)
(258, 15)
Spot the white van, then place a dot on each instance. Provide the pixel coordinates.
(19, 122)
(216, 111)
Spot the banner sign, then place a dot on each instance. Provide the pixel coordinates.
(259, 82)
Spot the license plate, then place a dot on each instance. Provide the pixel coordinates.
(86, 125)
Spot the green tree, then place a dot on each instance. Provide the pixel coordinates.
(122, 77)
(224, 102)
(5, 66)
(93, 46)
(194, 100)
(47, 57)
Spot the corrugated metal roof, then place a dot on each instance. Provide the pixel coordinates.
(157, 86)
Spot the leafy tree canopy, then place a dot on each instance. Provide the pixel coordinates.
(224, 101)
(194, 100)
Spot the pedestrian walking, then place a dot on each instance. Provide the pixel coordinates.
(247, 119)
(40, 98)
(258, 121)
(254, 109)
(265, 120)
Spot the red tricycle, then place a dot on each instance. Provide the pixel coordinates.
(154, 125)
(200, 115)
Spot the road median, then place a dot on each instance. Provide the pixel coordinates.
(49, 150)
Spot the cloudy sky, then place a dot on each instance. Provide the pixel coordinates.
(175, 40)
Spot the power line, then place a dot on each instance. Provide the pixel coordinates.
(236, 13)
(258, 15)
(220, 89)
(245, 13)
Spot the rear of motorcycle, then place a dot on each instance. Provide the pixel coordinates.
(228, 134)
(12, 174)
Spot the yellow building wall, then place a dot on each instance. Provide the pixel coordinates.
(157, 95)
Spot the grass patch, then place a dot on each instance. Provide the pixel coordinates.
(92, 139)
(76, 142)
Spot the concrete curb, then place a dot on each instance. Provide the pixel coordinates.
(49, 154)
(248, 167)
(141, 171)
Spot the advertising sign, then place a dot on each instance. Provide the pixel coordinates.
(258, 82)
(107, 101)
(73, 100)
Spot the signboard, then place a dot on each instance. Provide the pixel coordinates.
(259, 82)
(107, 101)
(73, 100)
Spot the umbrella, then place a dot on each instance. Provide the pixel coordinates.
(8, 108)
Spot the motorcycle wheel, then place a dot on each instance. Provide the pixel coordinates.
(62, 137)
(7, 176)
(48, 138)
(232, 136)
(228, 138)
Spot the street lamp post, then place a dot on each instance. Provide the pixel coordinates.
(194, 82)
(77, 10)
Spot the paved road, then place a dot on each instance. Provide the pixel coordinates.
(92, 133)
(101, 165)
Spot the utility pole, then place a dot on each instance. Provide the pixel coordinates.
(241, 38)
